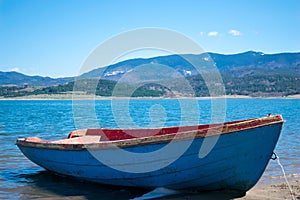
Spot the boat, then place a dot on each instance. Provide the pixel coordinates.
(238, 156)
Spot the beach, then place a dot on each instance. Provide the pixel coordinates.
(276, 191)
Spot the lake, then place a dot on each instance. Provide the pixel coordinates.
(54, 119)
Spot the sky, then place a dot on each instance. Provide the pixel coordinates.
(55, 37)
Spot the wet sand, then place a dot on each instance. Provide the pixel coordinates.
(269, 192)
(274, 191)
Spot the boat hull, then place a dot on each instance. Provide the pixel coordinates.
(237, 162)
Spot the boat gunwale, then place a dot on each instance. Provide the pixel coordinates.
(212, 130)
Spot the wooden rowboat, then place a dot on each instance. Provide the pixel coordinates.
(237, 159)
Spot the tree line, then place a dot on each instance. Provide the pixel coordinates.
(251, 85)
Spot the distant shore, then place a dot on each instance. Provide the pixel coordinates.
(92, 97)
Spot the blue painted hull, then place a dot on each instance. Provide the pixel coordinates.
(237, 161)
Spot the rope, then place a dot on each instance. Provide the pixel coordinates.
(275, 157)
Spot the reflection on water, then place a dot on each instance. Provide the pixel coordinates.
(21, 179)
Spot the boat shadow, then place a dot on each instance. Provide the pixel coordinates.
(215, 195)
(66, 187)
(60, 187)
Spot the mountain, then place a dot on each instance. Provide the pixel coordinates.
(257, 63)
(172, 66)
(236, 65)
(175, 65)
(249, 73)
(18, 79)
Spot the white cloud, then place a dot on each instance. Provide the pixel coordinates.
(202, 33)
(234, 32)
(212, 33)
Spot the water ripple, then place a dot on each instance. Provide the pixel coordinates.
(19, 178)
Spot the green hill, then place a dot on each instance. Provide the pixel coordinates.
(249, 73)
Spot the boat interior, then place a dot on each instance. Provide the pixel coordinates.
(96, 135)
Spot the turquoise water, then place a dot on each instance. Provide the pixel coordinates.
(54, 119)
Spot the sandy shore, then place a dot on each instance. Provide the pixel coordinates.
(92, 97)
(274, 191)
(269, 192)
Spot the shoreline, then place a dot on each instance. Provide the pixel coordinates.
(93, 97)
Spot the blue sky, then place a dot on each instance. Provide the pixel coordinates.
(54, 37)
